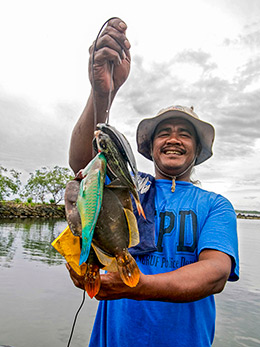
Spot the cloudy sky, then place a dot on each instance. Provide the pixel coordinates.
(194, 52)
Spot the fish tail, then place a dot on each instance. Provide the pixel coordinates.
(128, 269)
(139, 207)
(92, 280)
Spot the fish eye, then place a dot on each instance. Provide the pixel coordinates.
(103, 144)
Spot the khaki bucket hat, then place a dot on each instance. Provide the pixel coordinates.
(147, 126)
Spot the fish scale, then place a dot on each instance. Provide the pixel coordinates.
(90, 200)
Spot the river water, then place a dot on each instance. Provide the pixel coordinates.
(39, 301)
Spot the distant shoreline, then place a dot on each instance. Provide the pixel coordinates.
(10, 210)
(247, 216)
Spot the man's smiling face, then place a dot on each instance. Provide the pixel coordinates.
(174, 147)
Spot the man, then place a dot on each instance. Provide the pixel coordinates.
(188, 247)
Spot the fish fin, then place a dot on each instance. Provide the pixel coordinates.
(112, 267)
(83, 256)
(68, 246)
(92, 280)
(85, 247)
(104, 258)
(132, 227)
(116, 184)
(128, 269)
(139, 208)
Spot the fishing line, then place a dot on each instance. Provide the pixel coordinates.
(93, 79)
(75, 318)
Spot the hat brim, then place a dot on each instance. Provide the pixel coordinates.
(147, 126)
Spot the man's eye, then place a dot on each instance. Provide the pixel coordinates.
(185, 135)
(163, 134)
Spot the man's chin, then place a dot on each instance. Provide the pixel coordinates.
(174, 168)
(171, 164)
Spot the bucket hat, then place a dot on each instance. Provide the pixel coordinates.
(147, 126)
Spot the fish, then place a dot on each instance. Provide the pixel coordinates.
(101, 222)
(89, 201)
(116, 230)
(117, 165)
(120, 141)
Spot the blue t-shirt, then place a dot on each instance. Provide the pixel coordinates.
(186, 222)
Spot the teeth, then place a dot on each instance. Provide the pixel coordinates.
(172, 152)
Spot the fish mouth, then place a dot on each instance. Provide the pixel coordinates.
(97, 133)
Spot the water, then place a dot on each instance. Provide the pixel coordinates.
(39, 301)
(238, 307)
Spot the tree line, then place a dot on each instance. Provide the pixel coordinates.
(42, 184)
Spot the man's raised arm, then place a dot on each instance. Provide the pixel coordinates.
(112, 48)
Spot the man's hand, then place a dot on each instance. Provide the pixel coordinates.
(112, 47)
(112, 287)
(76, 279)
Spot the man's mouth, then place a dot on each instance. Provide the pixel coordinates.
(172, 152)
(169, 151)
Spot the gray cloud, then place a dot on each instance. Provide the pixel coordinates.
(251, 40)
(198, 57)
(249, 73)
(151, 89)
(32, 137)
(234, 112)
(248, 41)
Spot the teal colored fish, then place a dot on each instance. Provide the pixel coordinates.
(89, 201)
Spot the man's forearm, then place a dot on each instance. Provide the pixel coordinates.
(189, 283)
(81, 151)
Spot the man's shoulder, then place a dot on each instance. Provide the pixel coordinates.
(213, 198)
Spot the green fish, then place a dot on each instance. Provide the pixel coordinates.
(89, 201)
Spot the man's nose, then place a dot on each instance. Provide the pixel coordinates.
(173, 139)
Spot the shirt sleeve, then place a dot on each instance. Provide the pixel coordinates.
(220, 232)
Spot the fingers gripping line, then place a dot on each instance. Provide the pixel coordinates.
(93, 79)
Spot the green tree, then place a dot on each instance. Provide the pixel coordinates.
(36, 185)
(46, 181)
(9, 185)
(56, 181)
